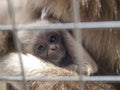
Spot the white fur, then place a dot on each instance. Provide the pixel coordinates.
(10, 64)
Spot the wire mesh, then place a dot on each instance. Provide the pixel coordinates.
(13, 21)
(77, 25)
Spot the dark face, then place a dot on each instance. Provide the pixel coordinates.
(49, 47)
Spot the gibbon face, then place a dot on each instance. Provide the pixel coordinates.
(49, 46)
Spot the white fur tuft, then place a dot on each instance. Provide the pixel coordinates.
(10, 64)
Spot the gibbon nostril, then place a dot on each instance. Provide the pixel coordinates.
(53, 47)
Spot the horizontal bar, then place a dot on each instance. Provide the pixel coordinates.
(83, 25)
(66, 78)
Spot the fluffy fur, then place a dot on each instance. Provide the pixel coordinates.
(10, 66)
(34, 67)
(89, 66)
(103, 45)
(29, 45)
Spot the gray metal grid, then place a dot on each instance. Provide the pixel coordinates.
(77, 25)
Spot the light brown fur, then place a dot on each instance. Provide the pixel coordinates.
(91, 10)
(31, 39)
(103, 44)
(39, 68)
(88, 66)
(35, 67)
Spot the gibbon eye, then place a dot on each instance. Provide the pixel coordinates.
(53, 38)
(41, 49)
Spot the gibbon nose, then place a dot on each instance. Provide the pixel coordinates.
(53, 47)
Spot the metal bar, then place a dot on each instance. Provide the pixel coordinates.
(66, 78)
(17, 44)
(77, 35)
(82, 25)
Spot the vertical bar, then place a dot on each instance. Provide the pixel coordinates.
(16, 41)
(77, 34)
